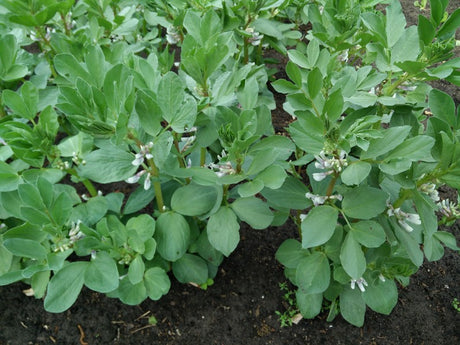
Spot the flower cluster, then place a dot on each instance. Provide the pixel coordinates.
(74, 235)
(430, 190)
(77, 159)
(330, 165)
(223, 169)
(449, 209)
(361, 282)
(139, 158)
(172, 35)
(321, 199)
(255, 38)
(404, 217)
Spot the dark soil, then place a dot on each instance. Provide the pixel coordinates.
(240, 307)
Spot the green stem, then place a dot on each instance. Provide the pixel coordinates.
(404, 194)
(87, 183)
(330, 188)
(157, 185)
(203, 156)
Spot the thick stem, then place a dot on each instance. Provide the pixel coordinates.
(330, 188)
(87, 183)
(157, 186)
(203, 156)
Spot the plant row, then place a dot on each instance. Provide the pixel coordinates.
(136, 137)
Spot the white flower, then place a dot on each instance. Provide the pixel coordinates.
(144, 153)
(138, 160)
(361, 282)
(321, 176)
(449, 209)
(331, 165)
(430, 189)
(404, 217)
(317, 199)
(381, 277)
(172, 35)
(135, 178)
(3, 142)
(223, 169)
(255, 38)
(147, 182)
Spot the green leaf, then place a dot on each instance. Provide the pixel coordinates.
(313, 51)
(101, 274)
(185, 117)
(314, 82)
(143, 225)
(291, 195)
(369, 233)
(352, 306)
(450, 25)
(156, 282)
(161, 148)
(68, 66)
(426, 30)
(65, 286)
(417, 148)
(6, 259)
(356, 173)
(172, 235)
(352, 257)
(447, 238)
(391, 138)
(91, 211)
(334, 105)
(24, 104)
(407, 48)
(249, 95)
(253, 211)
(193, 199)
(299, 59)
(149, 113)
(309, 304)
(308, 133)
(138, 199)
(381, 297)
(290, 253)
(136, 270)
(364, 202)
(171, 93)
(190, 269)
(131, 294)
(442, 106)
(62, 209)
(23, 247)
(9, 177)
(395, 23)
(284, 86)
(432, 248)
(409, 243)
(109, 164)
(319, 225)
(223, 230)
(313, 273)
(273, 176)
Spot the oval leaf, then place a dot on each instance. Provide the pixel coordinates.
(313, 273)
(172, 235)
(319, 225)
(64, 287)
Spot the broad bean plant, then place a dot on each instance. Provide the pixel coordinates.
(136, 137)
